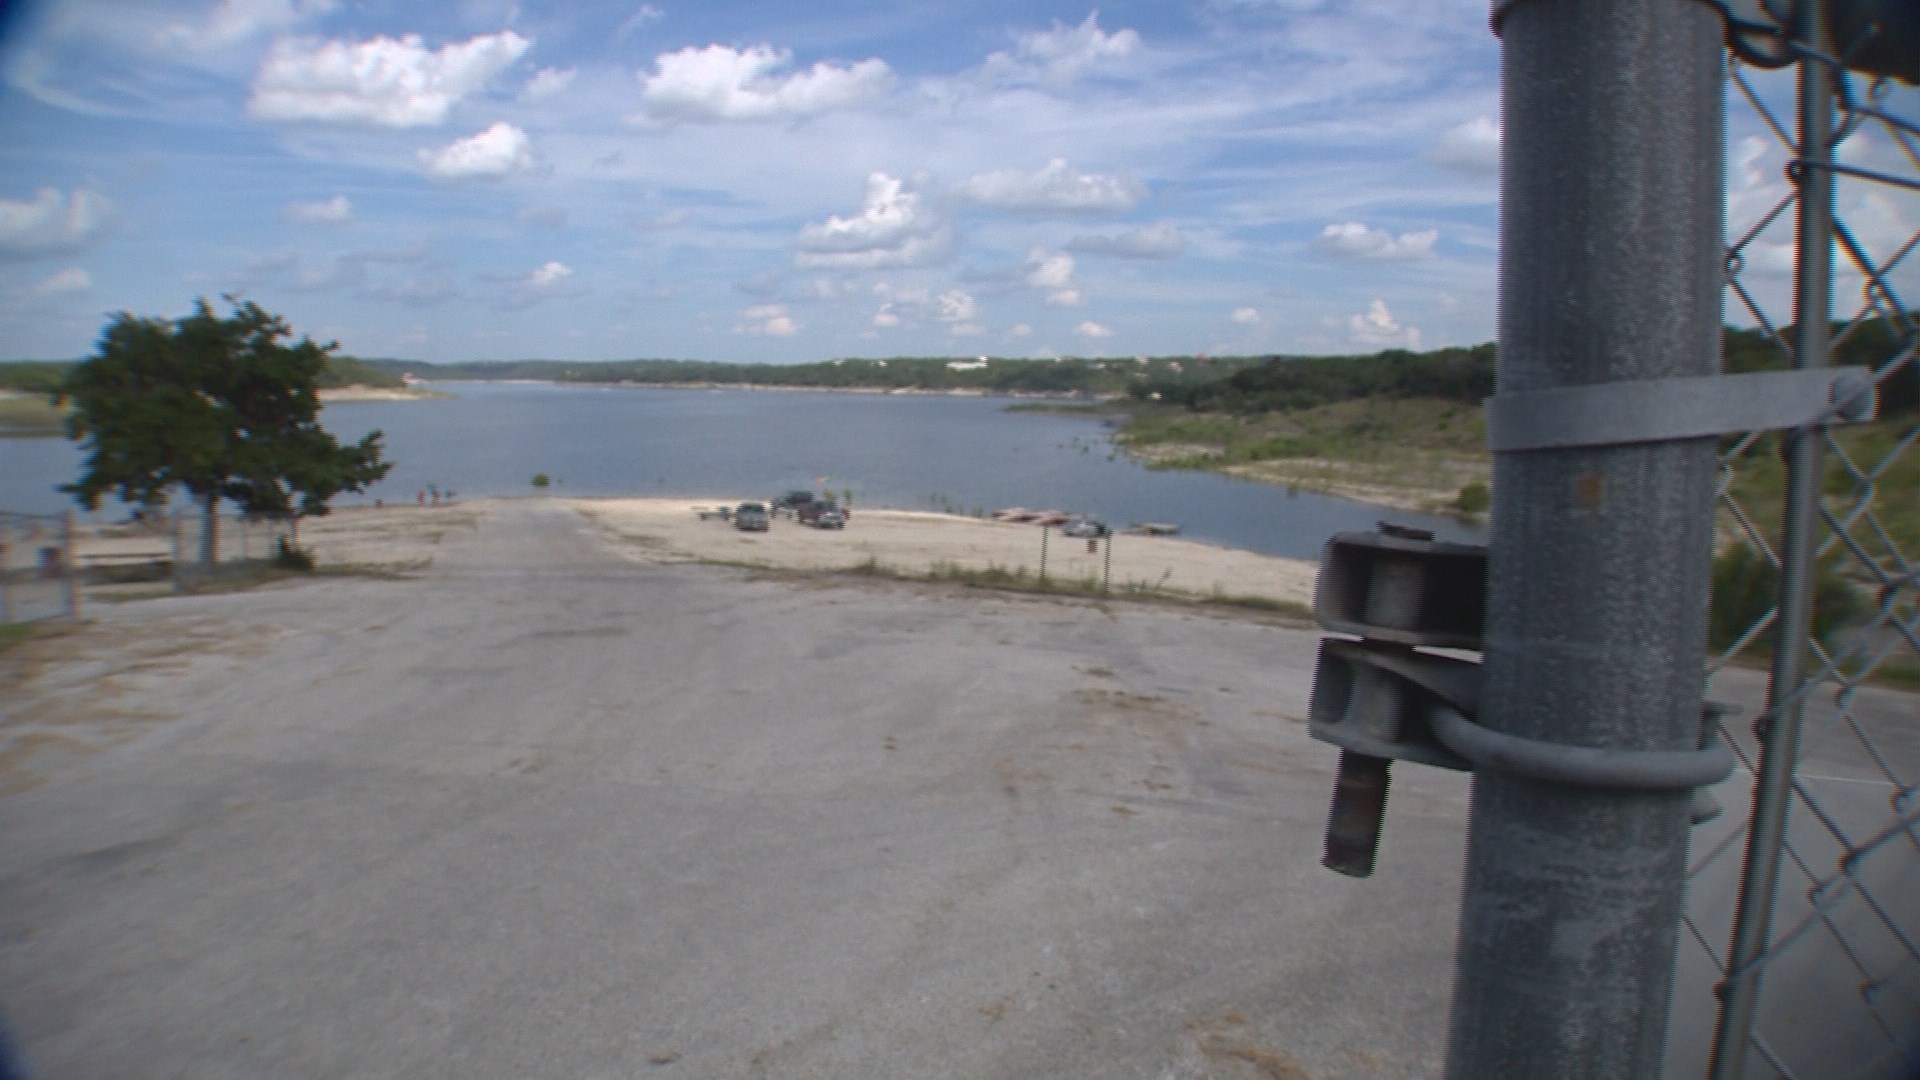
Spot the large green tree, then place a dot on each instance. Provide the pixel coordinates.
(222, 407)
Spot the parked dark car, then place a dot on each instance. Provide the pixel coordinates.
(792, 501)
(750, 517)
(811, 513)
(823, 516)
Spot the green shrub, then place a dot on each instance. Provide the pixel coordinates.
(1744, 588)
(541, 480)
(1474, 498)
(290, 556)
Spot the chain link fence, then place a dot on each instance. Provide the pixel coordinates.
(37, 568)
(46, 561)
(1804, 896)
(238, 539)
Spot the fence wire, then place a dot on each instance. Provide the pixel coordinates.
(1835, 982)
(34, 568)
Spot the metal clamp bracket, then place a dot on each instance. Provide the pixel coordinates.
(1663, 410)
(1585, 766)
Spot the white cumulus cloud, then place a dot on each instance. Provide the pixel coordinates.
(549, 274)
(1052, 272)
(547, 281)
(71, 280)
(647, 13)
(390, 82)
(891, 229)
(718, 82)
(1378, 328)
(886, 317)
(1160, 241)
(957, 307)
(1093, 330)
(770, 320)
(1055, 186)
(52, 222)
(497, 151)
(1247, 316)
(547, 82)
(1472, 147)
(1063, 53)
(236, 21)
(1354, 240)
(332, 211)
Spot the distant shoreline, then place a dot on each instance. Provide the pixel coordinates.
(898, 391)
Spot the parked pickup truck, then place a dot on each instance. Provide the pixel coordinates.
(791, 502)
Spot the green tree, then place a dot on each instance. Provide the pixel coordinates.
(224, 408)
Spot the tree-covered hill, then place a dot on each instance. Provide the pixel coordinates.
(43, 376)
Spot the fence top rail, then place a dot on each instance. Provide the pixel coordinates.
(20, 515)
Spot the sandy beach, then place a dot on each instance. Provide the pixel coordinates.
(377, 393)
(896, 543)
(919, 544)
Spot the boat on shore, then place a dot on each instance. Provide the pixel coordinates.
(1153, 528)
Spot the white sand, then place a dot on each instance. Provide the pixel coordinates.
(904, 542)
(917, 543)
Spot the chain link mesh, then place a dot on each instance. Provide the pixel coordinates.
(1841, 966)
(33, 568)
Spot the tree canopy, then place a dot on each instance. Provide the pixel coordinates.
(224, 408)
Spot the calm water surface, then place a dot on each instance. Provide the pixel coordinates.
(900, 451)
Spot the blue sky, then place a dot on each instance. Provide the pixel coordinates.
(761, 182)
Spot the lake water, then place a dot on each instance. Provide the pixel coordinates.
(898, 451)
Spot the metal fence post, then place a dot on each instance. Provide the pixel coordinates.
(6, 573)
(1610, 270)
(70, 555)
(1044, 530)
(179, 550)
(1779, 729)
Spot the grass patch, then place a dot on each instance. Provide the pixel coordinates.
(1904, 674)
(1290, 609)
(12, 634)
(404, 570)
(1019, 579)
(1417, 448)
(130, 595)
(1757, 483)
(30, 418)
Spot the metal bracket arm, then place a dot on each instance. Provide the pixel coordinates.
(1664, 410)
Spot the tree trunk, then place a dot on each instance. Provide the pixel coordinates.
(210, 534)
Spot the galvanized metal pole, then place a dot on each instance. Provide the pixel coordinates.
(1786, 706)
(1610, 270)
